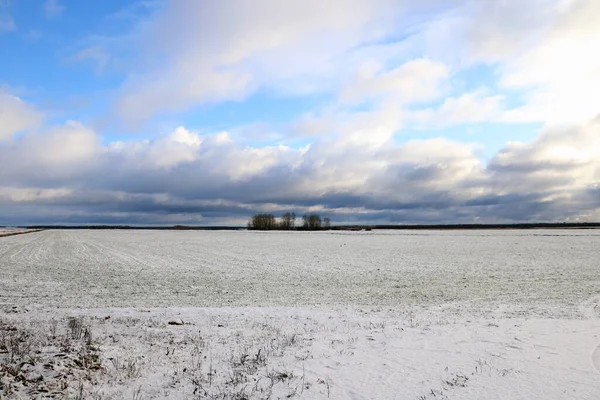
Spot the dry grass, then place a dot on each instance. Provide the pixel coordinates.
(61, 358)
(40, 360)
(19, 233)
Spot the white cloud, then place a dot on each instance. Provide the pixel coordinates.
(7, 23)
(96, 54)
(192, 52)
(386, 94)
(53, 8)
(68, 145)
(468, 108)
(202, 52)
(414, 81)
(180, 146)
(34, 35)
(561, 74)
(198, 52)
(495, 31)
(544, 52)
(372, 127)
(16, 115)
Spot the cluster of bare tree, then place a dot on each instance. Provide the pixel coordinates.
(268, 222)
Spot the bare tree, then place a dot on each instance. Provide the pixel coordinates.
(285, 221)
(314, 222)
(306, 221)
(263, 222)
(288, 220)
(327, 223)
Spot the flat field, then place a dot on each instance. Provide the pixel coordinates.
(383, 314)
(547, 271)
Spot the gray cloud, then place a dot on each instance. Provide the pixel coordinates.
(67, 176)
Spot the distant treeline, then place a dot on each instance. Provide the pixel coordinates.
(153, 228)
(533, 225)
(287, 222)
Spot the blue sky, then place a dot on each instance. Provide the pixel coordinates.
(159, 112)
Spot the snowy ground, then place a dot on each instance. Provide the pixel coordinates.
(386, 315)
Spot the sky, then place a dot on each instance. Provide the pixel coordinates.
(204, 112)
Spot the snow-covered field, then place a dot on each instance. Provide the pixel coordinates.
(362, 315)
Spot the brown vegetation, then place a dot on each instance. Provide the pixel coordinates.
(19, 232)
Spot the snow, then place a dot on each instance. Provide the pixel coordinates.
(548, 275)
(361, 315)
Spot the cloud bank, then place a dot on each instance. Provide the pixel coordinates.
(68, 175)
